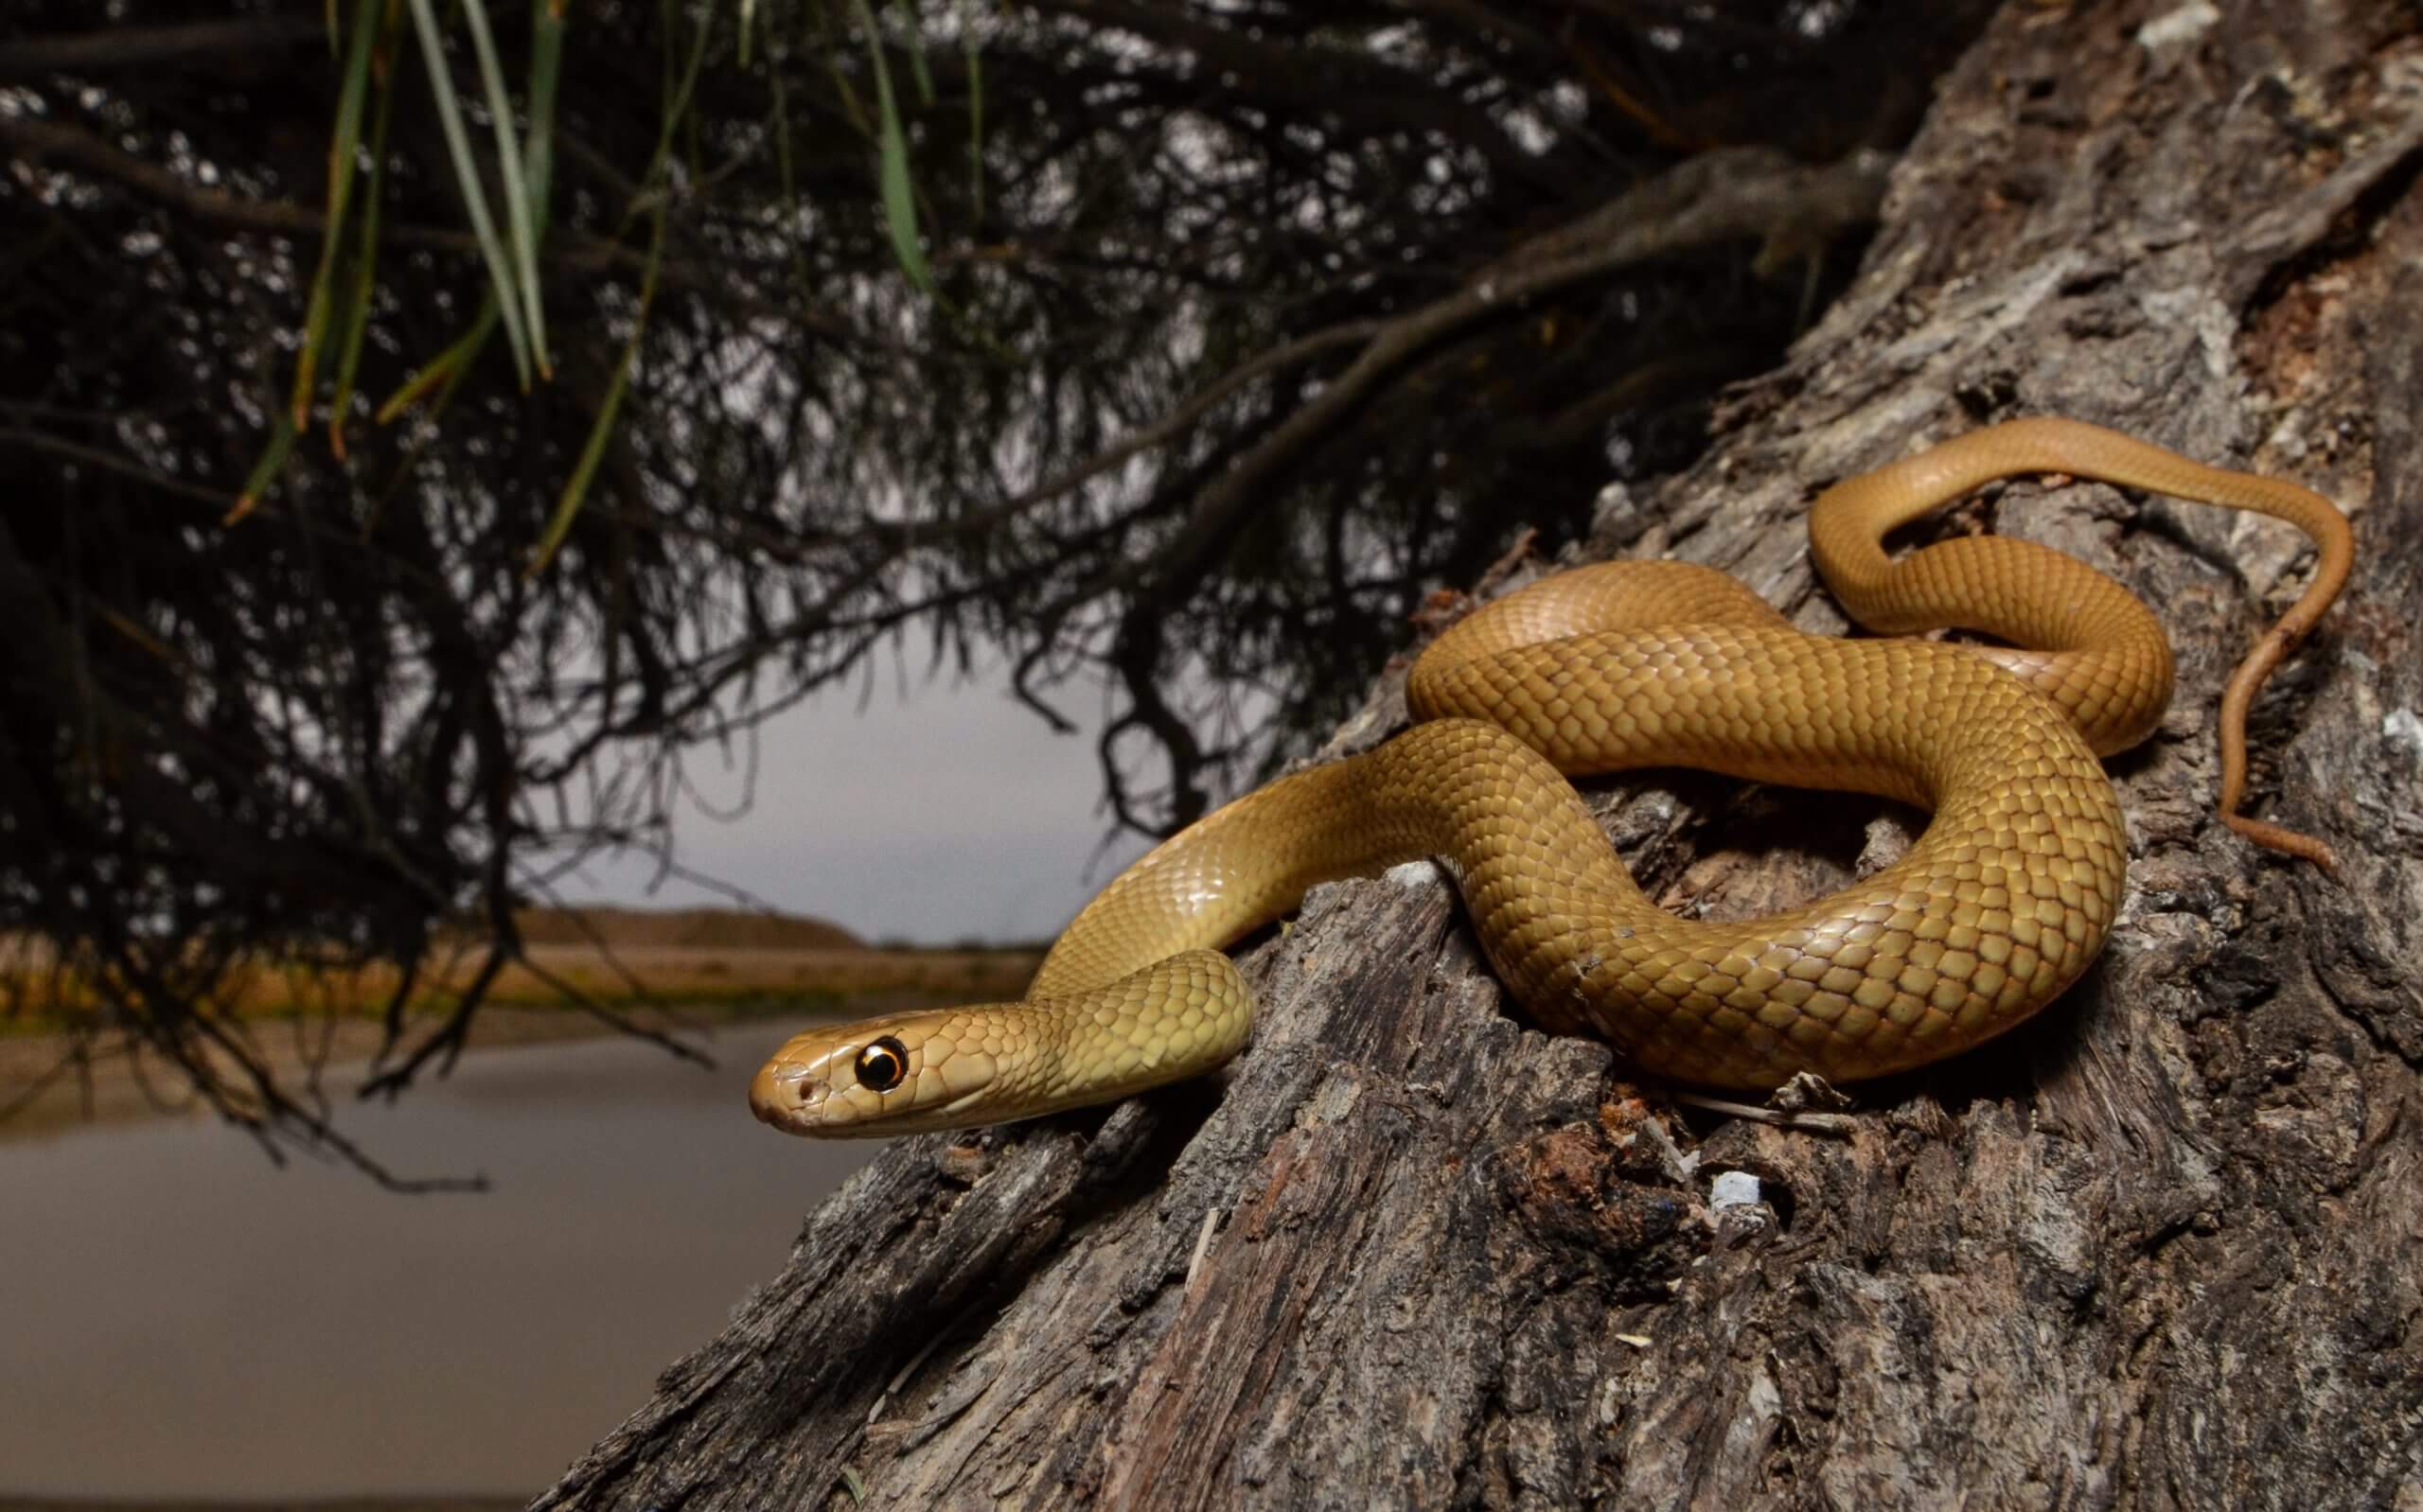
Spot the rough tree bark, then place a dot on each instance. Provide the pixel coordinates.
(2159, 1248)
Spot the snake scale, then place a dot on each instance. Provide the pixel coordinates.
(1999, 904)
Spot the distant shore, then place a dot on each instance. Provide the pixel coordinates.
(673, 972)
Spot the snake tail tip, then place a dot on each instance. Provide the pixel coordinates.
(2286, 841)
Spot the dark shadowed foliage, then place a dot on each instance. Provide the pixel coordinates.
(1192, 343)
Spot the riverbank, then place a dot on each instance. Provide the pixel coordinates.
(674, 973)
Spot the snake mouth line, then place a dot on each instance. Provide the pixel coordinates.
(789, 1102)
(961, 1102)
(766, 1113)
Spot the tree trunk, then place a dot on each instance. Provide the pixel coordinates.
(2158, 1248)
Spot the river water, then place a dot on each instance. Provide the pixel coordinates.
(179, 1319)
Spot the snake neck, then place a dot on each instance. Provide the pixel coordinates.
(1226, 875)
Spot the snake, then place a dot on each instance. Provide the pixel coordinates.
(2001, 901)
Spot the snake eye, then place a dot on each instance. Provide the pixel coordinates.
(882, 1065)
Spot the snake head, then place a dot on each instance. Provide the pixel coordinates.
(882, 1077)
(995, 1063)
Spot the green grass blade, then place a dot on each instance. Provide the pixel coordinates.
(448, 367)
(265, 471)
(344, 142)
(851, 107)
(576, 487)
(538, 149)
(357, 325)
(899, 194)
(677, 107)
(917, 69)
(466, 173)
(517, 194)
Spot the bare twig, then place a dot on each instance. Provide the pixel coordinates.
(123, 48)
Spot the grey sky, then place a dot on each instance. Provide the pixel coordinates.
(937, 813)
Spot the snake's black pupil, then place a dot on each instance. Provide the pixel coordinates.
(882, 1065)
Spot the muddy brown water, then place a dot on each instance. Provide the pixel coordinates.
(183, 1321)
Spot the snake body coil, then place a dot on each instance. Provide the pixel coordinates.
(1998, 906)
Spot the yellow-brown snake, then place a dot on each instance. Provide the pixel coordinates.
(1996, 907)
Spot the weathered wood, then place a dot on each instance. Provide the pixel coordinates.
(2163, 1247)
